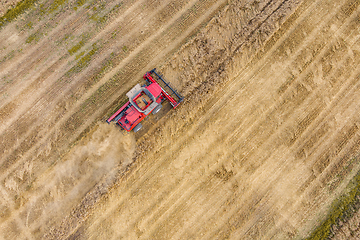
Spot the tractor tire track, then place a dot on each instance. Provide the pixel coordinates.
(262, 142)
(206, 15)
(157, 197)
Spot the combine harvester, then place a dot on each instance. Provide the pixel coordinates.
(145, 99)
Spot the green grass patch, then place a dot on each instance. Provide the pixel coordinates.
(76, 48)
(9, 56)
(94, 17)
(29, 25)
(84, 61)
(42, 9)
(107, 16)
(79, 55)
(114, 34)
(66, 37)
(56, 4)
(19, 9)
(341, 209)
(79, 3)
(35, 37)
(6, 80)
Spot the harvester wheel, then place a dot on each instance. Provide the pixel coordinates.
(137, 127)
(157, 109)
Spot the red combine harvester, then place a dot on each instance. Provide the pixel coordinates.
(145, 99)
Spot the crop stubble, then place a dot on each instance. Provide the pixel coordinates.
(258, 148)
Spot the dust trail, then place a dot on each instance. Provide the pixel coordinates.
(105, 148)
(67, 192)
(104, 152)
(96, 161)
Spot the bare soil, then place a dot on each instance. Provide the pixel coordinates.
(264, 141)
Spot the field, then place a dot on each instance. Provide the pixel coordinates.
(264, 143)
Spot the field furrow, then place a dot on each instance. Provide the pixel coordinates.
(266, 139)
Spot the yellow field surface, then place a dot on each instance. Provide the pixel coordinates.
(265, 140)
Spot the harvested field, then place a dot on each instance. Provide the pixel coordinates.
(6, 5)
(265, 140)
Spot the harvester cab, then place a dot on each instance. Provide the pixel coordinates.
(144, 100)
